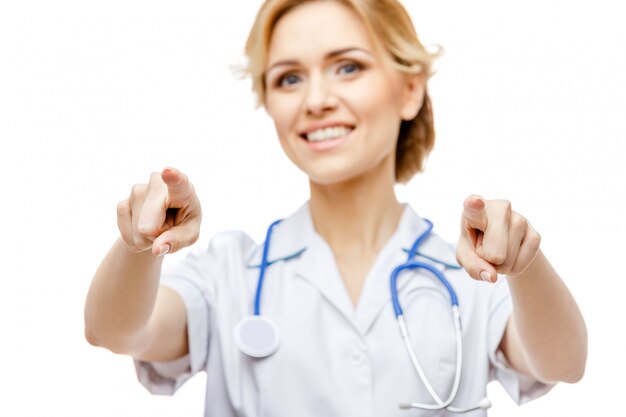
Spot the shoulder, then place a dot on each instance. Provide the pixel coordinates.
(223, 251)
(232, 242)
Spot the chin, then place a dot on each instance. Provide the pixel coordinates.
(334, 177)
(347, 170)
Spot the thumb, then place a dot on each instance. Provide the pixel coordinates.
(476, 267)
(176, 238)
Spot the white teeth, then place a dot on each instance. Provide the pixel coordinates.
(328, 133)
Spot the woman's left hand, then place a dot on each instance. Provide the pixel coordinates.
(494, 239)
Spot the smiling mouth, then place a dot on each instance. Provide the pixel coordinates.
(327, 133)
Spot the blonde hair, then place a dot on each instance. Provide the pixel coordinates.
(391, 26)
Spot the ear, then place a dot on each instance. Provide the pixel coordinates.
(414, 85)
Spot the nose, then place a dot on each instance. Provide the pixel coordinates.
(319, 97)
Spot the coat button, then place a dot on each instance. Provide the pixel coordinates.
(356, 358)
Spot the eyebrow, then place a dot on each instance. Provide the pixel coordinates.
(329, 55)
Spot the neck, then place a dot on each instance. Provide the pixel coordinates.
(358, 216)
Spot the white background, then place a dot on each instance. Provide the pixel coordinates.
(529, 106)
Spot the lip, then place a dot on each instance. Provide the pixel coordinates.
(328, 145)
(323, 125)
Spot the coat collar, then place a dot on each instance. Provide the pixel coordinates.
(295, 240)
(290, 238)
(295, 234)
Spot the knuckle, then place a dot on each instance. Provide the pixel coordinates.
(128, 240)
(191, 238)
(123, 208)
(135, 249)
(138, 190)
(503, 208)
(147, 231)
(495, 257)
(497, 260)
(143, 230)
(155, 177)
(460, 256)
(141, 243)
(508, 209)
(519, 222)
(175, 246)
(534, 240)
(459, 260)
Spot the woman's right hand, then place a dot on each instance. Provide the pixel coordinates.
(163, 215)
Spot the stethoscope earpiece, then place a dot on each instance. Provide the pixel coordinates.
(257, 336)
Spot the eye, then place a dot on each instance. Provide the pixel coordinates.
(287, 80)
(349, 68)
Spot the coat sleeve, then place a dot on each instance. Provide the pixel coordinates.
(194, 279)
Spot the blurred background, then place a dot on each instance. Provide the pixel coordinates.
(529, 106)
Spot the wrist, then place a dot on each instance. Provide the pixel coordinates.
(530, 278)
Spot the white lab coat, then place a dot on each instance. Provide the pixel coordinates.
(333, 359)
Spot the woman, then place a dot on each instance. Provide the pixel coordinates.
(345, 83)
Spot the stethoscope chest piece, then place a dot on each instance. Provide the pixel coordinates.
(257, 336)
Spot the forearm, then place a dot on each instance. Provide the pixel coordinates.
(551, 332)
(121, 298)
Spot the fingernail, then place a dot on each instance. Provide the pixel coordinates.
(484, 275)
(164, 249)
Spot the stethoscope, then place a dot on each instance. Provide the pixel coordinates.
(258, 337)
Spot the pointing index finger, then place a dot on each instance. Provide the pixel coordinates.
(474, 213)
(179, 189)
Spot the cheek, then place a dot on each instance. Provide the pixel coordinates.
(283, 112)
(373, 97)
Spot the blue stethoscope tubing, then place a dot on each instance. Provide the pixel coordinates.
(412, 264)
(258, 337)
(263, 267)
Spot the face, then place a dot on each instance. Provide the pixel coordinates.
(336, 102)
